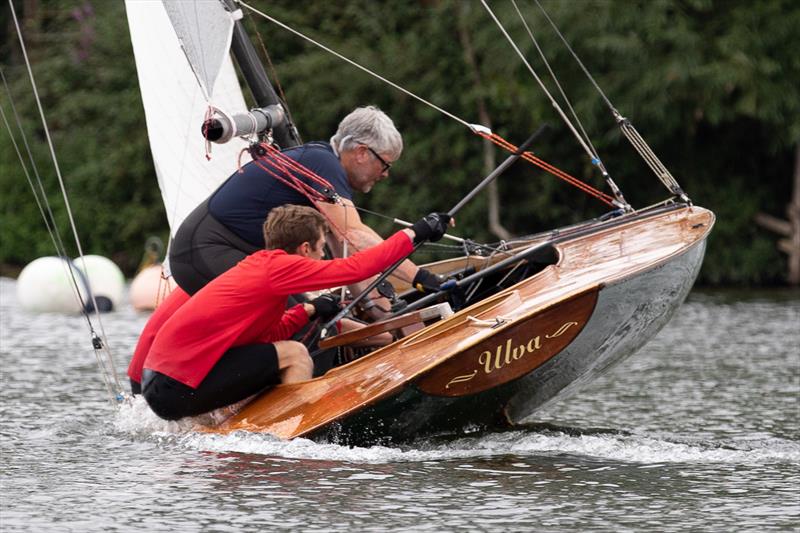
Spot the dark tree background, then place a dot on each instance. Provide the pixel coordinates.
(711, 84)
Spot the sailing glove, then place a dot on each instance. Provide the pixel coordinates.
(325, 306)
(430, 228)
(426, 281)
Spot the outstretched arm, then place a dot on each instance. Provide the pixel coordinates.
(346, 222)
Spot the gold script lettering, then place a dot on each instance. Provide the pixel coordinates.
(534, 344)
(562, 330)
(508, 354)
(486, 360)
(461, 379)
(504, 354)
(518, 352)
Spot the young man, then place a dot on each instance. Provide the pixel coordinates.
(228, 341)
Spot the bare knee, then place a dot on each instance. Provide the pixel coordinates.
(294, 361)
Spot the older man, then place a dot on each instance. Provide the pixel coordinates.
(227, 227)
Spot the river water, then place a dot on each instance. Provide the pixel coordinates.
(699, 431)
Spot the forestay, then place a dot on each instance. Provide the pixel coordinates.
(174, 101)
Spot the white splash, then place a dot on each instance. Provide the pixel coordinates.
(136, 418)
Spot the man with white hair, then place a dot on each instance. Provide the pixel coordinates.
(227, 227)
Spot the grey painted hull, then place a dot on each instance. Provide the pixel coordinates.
(629, 313)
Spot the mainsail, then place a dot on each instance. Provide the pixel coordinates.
(176, 100)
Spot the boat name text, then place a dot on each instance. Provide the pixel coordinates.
(505, 354)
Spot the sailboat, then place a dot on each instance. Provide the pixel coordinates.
(515, 330)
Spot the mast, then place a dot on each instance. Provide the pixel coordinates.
(285, 135)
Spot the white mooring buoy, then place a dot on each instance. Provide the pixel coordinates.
(45, 284)
(106, 280)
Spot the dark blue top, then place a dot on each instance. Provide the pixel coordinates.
(244, 200)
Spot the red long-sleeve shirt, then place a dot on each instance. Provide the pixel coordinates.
(246, 305)
(163, 312)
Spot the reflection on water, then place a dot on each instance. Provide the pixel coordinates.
(698, 431)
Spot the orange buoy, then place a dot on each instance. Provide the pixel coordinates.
(148, 288)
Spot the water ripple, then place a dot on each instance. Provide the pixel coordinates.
(699, 431)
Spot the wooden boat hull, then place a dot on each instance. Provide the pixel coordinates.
(629, 313)
(497, 362)
(626, 316)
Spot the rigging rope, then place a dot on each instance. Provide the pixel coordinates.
(558, 85)
(574, 55)
(152, 257)
(99, 342)
(48, 218)
(289, 166)
(544, 165)
(274, 74)
(475, 128)
(49, 221)
(652, 160)
(620, 200)
(625, 125)
(464, 244)
(285, 176)
(358, 66)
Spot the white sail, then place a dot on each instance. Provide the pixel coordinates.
(204, 29)
(175, 108)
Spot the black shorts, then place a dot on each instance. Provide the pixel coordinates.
(240, 373)
(203, 248)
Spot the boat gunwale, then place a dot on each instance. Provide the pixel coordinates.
(505, 293)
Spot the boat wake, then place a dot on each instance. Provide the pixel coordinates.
(135, 419)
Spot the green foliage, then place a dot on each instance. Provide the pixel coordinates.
(711, 84)
(85, 74)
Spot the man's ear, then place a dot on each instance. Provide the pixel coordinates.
(360, 154)
(366, 155)
(304, 249)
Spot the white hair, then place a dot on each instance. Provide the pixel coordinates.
(370, 126)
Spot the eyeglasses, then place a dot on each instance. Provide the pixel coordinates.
(386, 164)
